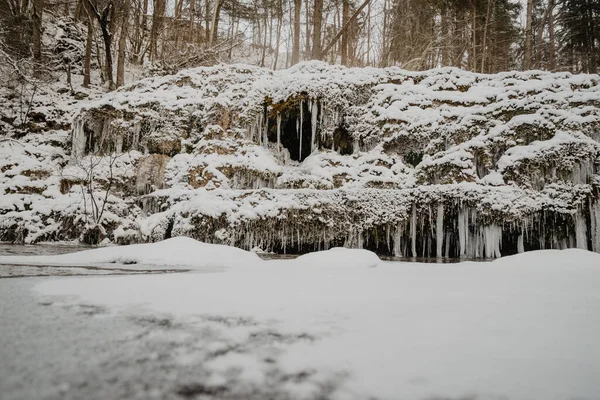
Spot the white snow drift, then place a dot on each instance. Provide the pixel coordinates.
(522, 327)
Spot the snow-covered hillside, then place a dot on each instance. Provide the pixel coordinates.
(438, 163)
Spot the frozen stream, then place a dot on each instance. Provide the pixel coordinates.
(49, 351)
(63, 348)
(337, 324)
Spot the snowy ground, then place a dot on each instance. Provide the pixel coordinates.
(339, 324)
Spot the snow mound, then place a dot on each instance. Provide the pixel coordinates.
(523, 327)
(179, 252)
(187, 253)
(544, 258)
(339, 257)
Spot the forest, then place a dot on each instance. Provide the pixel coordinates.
(485, 36)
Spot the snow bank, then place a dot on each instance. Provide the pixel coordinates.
(180, 252)
(339, 258)
(522, 327)
(187, 253)
(569, 258)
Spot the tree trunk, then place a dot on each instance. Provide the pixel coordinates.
(278, 38)
(384, 47)
(36, 16)
(474, 38)
(551, 37)
(214, 29)
(307, 36)
(592, 52)
(485, 31)
(528, 44)
(157, 19)
(345, 17)
(369, 35)
(264, 41)
(122, 44)
(207, 20)
(177, 22)
(145, 16)
(191, 23)
(296, 44)
(107, 38)
(317, 22)
(87, 61)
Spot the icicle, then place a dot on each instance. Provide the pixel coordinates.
(78, 139)
(439, 230)
(279, 133)
(492, 239)
(301, 127)
(322, 113)
(119, 144)
(137, 128)
(313, 125)
(520, 246)
(413, 231)
(387, 236)
(595, 225)
(266, 138)
(463, 229)
(398, 240)
(580, 231)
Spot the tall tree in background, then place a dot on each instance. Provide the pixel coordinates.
(36, 17)
(158, 15)
(296, 39)
(479, 35)
(89, 42)
(528, 36)
(214, 27)
(579, 34)
(104, 15)
(345, 35)
(124, 22)
(317, 22)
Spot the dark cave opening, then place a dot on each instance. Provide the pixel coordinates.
(296, 139)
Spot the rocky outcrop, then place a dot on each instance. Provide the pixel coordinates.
(441, 163)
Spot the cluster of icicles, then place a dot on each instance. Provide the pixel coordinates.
(323, 120)
(423, 235)
(82, 143)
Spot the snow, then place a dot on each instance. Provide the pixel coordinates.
(180, 252)
(338, 257)
(204, 151)
(521, 327)
(186, 253)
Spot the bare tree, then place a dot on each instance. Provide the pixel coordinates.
(157, 23)
(214, 28)
(104, 17)
(87, 60)
(95, 189)
(296, 42)
(122, 43)
(36, 17)
(316, 23)
(528, 36)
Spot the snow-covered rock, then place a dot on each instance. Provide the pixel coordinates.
(436, 163)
